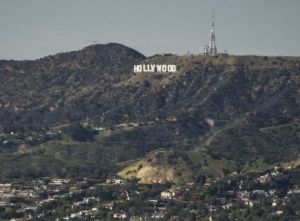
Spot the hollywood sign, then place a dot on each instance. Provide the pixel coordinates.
(154, 68)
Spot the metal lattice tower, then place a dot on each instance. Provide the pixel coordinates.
(212, 48)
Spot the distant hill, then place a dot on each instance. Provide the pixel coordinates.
(86, 112)
(59, 88)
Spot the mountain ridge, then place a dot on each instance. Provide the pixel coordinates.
(111, 114)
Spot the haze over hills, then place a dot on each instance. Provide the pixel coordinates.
(87, 113)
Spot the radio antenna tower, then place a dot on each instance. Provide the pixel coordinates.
(211, 48)
(212, 43)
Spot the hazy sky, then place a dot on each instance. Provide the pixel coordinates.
(31, 29)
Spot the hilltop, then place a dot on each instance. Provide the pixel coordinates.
(85, 113)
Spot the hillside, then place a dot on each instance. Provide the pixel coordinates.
(159, 166)
(85, 113)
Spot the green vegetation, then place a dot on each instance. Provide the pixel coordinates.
(85, 113)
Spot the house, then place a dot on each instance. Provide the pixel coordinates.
(6, 190)
(99, 128)
(117, 181)
(108, 206)
(158, 215)
(120, 215)
(85, 201)
(260, 192)
(272, 192)
(3, 203)
(5, 186)
(295, 190)
(59, 182)
(161, 181)
(264, 178)
(166, 195)
(227, 206)
(275, 202)
(248, 202)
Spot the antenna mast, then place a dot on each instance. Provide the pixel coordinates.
(211, 48)
(212, 43)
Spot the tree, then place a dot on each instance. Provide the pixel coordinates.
(79, 133)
